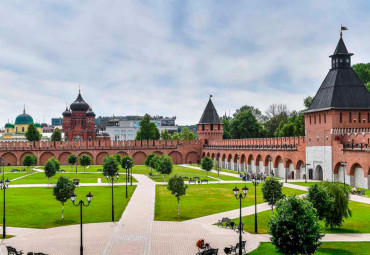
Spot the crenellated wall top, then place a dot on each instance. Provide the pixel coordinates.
(299, 140)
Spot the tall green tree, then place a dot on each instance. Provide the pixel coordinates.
(321, 200)
(56, 163)
(307, 101)
(110, 166)
(255, 111)
(34, 159)
(57, 135)
(50, 169)
(295, 227)
(164, 165)
(165, 135)
(85, 161)
(227, 127)
(207, 164)
(63, 191)
(127, 162)
(186, 134)
(148, 160)
(272, 191)
(363, 72)
(175, 136)
(32, 134)
(28, 161)
(340, 210)
(148, 130)
(72, 159)
(292, 126)
(245, 125)
(118, 158)
(178, 188)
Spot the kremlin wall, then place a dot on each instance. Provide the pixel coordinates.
(336, 146)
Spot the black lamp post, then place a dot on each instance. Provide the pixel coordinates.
(4, 185)
(81, 203)
(255, 184)
(270, 162)
(111, 179)
(240, 196)
(305, 171)
(344, 163)
(129, 163)
(286, 170)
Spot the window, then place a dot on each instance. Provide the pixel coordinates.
(22, 129)
(314, 119)
(310, 119)
(347, 60)
(341, 60)
(350, 117)
(359, 117)
(319, 118)
(340, 117)
(324, 117)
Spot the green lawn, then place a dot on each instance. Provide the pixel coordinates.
(222, 169)
(8, 169)
(202, 200)
(40, 178)
(344, 248)
(37, 207)
(358, 223)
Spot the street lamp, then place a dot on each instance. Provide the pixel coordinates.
(240, 196)
(4, 185)
(305, 171)
(81, 203)
(111, 179)
(270, 162)
(128, 165)
(344, 163)
(286, 170)
(255, 184)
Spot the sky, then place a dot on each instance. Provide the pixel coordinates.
(166, 57)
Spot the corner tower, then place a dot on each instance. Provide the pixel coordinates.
(210, 126)
(341, 104)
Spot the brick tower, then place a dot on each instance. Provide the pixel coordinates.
(210, 126)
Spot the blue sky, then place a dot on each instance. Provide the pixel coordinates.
(167, 57)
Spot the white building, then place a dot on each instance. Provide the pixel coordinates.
(125, 128)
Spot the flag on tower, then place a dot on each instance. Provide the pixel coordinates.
(343, 28)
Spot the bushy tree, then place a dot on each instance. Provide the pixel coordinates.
(50, 169)
(175, 136)
(255, 111)
(307, 101)
(363, 72)
(85, 161)
(165, 135)
(118, 158)
(178, 188)
(72, 159)
(245, 125)
(63, 191)
(32, 134)
(56, 163)
(57, 135)
(148, 160)
(186, 134)
(110, 166)
(292, 126)
(227, 127)
(34, 159)
(295, 227)
(28, 161)
(164, 165)
(340, 210)
(207, 164)
(321, 200)
(272, 191)
(148, 130)
(127, 162)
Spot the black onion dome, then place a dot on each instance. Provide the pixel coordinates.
(90, 112)
(79, 104)
(67, 113)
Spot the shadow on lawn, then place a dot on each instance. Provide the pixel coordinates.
(334, 251)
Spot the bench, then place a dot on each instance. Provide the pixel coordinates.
(23, 170)
(210, 252)
(192, 181)
(36, 253)
(185, 178)
(13, 251)
(227, 221)
(195, 178)
(205, 181)
(237, 227)
(76, 182)
(359, 192)
(99, 170)
(62, 171)
(15, 170)
(236, 247)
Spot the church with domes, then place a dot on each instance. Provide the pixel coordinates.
(17, 130)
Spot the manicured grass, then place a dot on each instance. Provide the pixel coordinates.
(358, 223)
(80, 169)
(185, 171)
(205, 199)
(222, 169)
(37, 207)
(40, 178)
(8, 169)
(345, 248)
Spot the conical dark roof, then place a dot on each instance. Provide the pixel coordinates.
(79, 104)
(341, 89)
(210, 115)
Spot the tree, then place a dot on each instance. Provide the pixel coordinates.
(363, 72)
(178, 188)
(207, 164)
(340, 209)
(295, 227)
(85, 161)
(28, 161)
(32, 134)
(50, 169)
(164, 165)
(34, 159)
(292, 126)
(72, 159)
(63, 191)
(56, 163)
(148, 160)
(57, 135)
(275, 110)
(175, 136)
(148, 130)
(272, 191)
(245, 125)
(307, 101)
(118, 158)
(186, 134)
(321, 200)
(255, 111)
(227, 127)
(127, 162)
(165, 135)
(110, 166)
